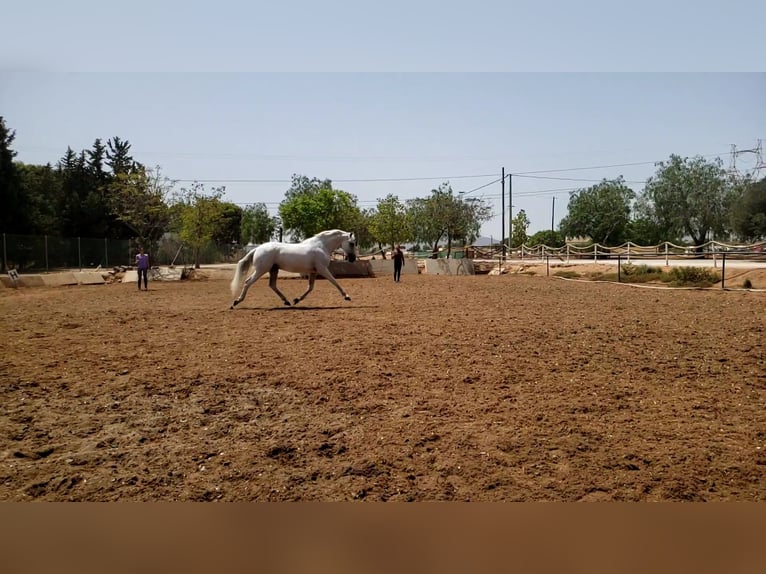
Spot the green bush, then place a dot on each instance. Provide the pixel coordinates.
(694, 276)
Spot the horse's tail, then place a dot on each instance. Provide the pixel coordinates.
(242, 267)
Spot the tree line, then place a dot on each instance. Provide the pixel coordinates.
(104, 192)
(687, 201)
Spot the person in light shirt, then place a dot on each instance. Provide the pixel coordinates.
(142, 264)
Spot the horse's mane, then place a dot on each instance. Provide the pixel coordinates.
(325, 233)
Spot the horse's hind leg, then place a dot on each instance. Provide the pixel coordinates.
(312, 278)
(249, 281)
(273, 272)
(325, 272)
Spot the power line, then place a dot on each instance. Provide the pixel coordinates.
(569, 178)
(528, 174)
(605, 166)
(364, 180)
(524, 174)
(480, 187)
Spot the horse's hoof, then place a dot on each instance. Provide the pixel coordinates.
(347, 298)
(296, 301)
(287, 303)
(234, 304)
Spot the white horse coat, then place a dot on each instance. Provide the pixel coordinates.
(309, 257)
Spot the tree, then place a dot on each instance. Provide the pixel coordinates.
(41, 185)
(257, 225)
(75, 186)
(362, 232)
(601, 212)
(748, 213)
(463, 218)
(14, 217)
(139, 201)
(688, 198)
(311, 206)
(199, 213)
(118, 156)
(84, 205)
(96, 159)
(520, 225)
(442, 214)
(302, 185)
(229, 226)
(645, 231)
(390, 225)
(426, 221)
(547, 237)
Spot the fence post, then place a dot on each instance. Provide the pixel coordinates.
(106, 253)
(618, 257)
(723, 271)
(547, 266)
(46, 253)
(666, 254)
(619, 266)
(5, 256)
(79, 254)
(567, 252)
(595, 253)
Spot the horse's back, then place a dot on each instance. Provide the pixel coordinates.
(293, 257)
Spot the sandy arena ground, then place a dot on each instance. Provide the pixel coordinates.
(511, 388)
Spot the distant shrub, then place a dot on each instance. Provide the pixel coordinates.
(640, 273)
(747, 284)
(694, 276)
(636, 270)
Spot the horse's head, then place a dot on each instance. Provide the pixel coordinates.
(334, 238)
(349, 246)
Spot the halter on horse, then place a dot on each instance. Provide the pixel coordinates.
(311, 257)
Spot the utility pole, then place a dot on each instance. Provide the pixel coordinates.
(553, 211)
(502, 203)
(510, 209)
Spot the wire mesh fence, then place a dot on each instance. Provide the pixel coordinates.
(43, 253)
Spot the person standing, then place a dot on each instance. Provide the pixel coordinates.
(142, 264)
(398, 258)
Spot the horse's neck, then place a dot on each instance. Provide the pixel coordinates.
(330, 242)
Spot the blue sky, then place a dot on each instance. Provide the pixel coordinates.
(259, 91)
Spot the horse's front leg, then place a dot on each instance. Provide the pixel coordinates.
(325, 272)
(312, 278)
(273, 284)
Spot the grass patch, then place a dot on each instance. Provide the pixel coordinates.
(567, 274)
(640, 273)
(677, 276)
(601, 276)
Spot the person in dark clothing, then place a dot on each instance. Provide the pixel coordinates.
(142, 264)
(398, 258)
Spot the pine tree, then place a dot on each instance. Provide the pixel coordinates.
(14, 216)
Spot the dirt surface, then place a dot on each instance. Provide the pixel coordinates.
(437, 388)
